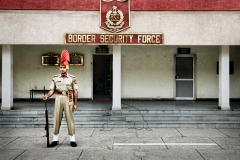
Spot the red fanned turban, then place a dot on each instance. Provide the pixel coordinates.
(65, 58)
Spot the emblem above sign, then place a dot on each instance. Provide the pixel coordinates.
(114, 15)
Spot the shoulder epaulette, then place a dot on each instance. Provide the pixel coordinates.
(72, 76)
(57, 75)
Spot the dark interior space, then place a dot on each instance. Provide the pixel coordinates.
(102, 77)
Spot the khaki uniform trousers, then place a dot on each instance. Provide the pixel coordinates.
(61, 105)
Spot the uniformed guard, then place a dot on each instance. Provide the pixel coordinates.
(66, 87)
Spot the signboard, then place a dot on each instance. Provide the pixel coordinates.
(50, 60)
(124, 39)
(76, 60)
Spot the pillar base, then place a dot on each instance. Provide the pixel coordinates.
(225, 108)
(116, 108)
(7, 108)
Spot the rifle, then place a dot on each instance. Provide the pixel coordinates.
(47, 124)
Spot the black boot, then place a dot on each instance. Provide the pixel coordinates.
(53, 144)
(73, 144)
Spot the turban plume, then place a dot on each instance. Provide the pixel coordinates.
(65, 58)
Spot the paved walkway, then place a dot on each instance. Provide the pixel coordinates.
(122, 144)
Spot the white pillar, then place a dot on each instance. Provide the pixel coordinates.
(224, 84)
(116, 78)
(7, 77)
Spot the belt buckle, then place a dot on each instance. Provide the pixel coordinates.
(64, 92)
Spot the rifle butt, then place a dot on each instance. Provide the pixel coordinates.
(47, 127)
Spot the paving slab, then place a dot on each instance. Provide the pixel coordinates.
(173, 155)
(91, 143)
(220, 154)
(84, 132)
(231, 132)
(29, 143)
(5, 141)
(10, 154)
(79, 132)
(3, 130)
(200, 132)
(108, 155)
(46, 154)
(228, 143)
(115, 132)
(25, 132)
(190, 143)
(158, 132)
(96, 143)
(128, 143)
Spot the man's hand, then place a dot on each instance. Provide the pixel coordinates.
(45, 97)
(75, 99)
(50, 93)
(74, 107)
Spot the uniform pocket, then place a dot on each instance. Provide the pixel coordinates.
(58, 86)
(69, 86)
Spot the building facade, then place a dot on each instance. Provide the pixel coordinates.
(198, 56)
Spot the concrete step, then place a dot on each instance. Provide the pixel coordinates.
(127, 118)
(149, 117)
(125, 112)
(180, 117)
(130, 124)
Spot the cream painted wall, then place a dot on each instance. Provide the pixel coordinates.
(1, 70)
(190, 27)
(178, 27)
(28, 69)
(147, 71)
(235, 78)
(206, 71)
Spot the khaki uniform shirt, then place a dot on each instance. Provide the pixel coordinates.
(64, 84)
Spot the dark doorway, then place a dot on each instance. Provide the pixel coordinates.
(185, 77)
(102, 78)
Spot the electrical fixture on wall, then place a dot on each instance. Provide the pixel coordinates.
(102, 49)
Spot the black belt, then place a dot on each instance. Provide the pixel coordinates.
(63, 92)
